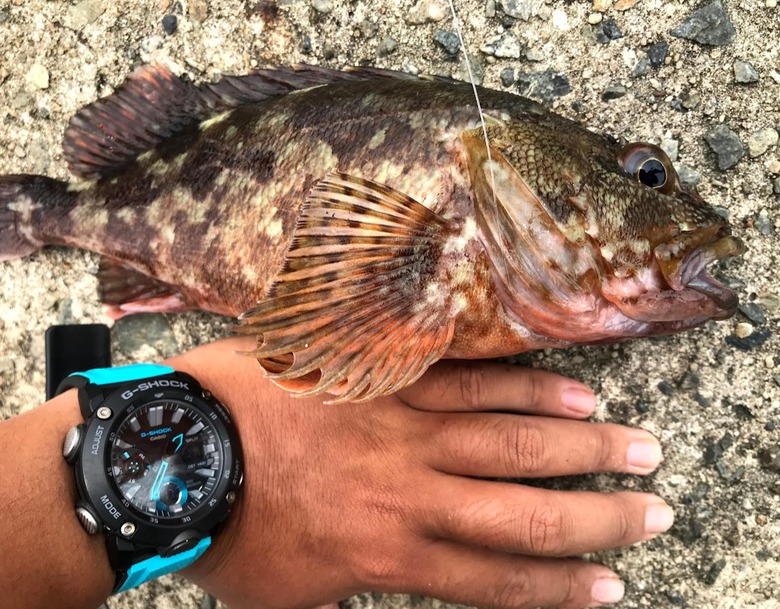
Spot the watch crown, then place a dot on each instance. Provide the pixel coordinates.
(70, 447)
(87, 519)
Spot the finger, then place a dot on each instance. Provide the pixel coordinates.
(512, 446)
(469, 386)
(475, 576)
(539, 522)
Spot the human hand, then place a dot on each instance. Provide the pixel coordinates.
(386, 495)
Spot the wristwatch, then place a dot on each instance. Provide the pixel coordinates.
(158, 466)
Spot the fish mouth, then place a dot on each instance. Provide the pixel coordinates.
(690, 272)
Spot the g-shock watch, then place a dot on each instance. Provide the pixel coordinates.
(157, 464)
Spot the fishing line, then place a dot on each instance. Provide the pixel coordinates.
(456, 23)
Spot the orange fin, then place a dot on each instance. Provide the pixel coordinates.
(358, 306)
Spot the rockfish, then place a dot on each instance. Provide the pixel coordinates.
(366, 223)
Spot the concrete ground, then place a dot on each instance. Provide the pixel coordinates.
(711, 395)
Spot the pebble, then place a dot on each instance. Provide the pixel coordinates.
(6, 365)
(507, 46)
(169, 24)
(601, 5)
(614, 91)
(607, 31)
(743, 330)
(38, 76)
(762, 140)
(657, 52)
(726, 146)
(708, 25)
(665, 388)
(507, 77)
(477, 70)
(83, 13)
(748, 343)
(671, 148)
(321, 6)
(387, 46)
(753, 312)
(448, 40)
(775, 75)
(595, 18)
(546, 85)
(624, 5)
(520, 9)
(641, 68)
(688, 175)
(534, 55)
(424, 11)
(198, 10)
(769, 458)
(744, 72)
(763, 223)
(776, 186)
(137, 331)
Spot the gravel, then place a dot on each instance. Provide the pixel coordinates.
(744, 72)
(726, 145)
(709, 25)
(546, 85)
(89, 47)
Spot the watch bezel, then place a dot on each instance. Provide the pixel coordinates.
(94, 473)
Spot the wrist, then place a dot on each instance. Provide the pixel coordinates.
(42, 538)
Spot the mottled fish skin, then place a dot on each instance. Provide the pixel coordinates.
(547, 238)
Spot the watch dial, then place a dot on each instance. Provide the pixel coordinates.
(166, 459)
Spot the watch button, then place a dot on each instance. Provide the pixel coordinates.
(72, 443)
(87, 519)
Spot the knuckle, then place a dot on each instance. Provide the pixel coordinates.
(377, 572)
(516, 591)
(623, 523)
(534, 389)
(526, 448)
(548, 530)
(470, 384)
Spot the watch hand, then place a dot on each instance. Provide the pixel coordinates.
(155, 492)
(180, 439)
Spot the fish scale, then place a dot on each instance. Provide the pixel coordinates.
(362, 226)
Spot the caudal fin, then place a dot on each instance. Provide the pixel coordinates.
(24, 199)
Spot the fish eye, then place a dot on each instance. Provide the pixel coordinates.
(652, 173)
(650, 166)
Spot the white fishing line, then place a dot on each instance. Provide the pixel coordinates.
(459, 32)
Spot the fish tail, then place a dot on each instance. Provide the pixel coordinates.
(25, 200)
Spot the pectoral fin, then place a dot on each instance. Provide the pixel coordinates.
(357, 309)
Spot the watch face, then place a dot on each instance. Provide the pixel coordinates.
(166, 458)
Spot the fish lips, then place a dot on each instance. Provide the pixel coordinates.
(689, 271)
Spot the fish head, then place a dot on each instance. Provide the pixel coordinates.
(579, 226)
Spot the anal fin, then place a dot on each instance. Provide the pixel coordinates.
(360, 308)
(125, 290)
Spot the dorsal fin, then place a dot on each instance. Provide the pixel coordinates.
(154, 104)
(150, 106)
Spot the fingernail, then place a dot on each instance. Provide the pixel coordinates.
(644, 455)
(607, 591)
(658, 518)
(580, 402)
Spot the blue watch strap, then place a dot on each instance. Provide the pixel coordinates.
(121, 374)
(157, 566)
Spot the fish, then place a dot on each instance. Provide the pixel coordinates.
(365, 223)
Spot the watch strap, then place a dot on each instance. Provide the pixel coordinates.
(123, 374)
(157, 566)
(103, 377)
